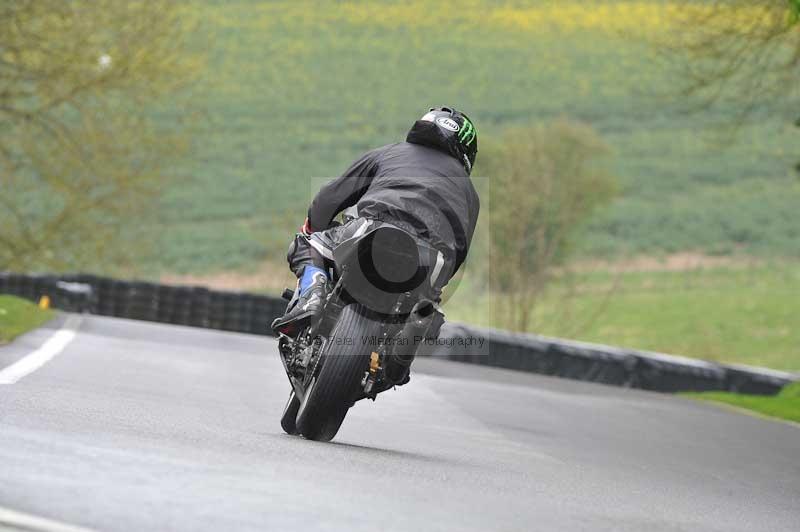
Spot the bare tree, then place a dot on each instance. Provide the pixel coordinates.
(79, 154)
(545, 182)
(748, 50)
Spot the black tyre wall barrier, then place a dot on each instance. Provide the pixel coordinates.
(180, 305)
(65, 295)
(599, 363)
(251, 313)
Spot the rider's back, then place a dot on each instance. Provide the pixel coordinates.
(423, 189)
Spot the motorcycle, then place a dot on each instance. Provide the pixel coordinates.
(380, 310)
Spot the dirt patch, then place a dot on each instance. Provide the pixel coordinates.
(676, 262)
(273, 278)
(268, 278)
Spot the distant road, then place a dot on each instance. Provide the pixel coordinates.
(138, 426)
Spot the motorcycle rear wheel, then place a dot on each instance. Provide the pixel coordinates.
(332, 391)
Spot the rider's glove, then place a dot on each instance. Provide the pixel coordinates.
(305, 229)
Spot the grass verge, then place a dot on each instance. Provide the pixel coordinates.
(785, 405)
(736, 315)
(18, 316)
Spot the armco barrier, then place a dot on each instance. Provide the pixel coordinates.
(250, 313)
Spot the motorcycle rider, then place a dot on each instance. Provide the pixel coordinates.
(421, 185)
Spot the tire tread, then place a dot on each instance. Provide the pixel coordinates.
(340, 375)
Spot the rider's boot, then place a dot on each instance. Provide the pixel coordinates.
(313, 287)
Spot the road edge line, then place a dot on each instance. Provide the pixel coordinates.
(33, 523)
(51, 348)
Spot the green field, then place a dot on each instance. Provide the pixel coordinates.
(786, 405)
(296, 90)
(18, 316)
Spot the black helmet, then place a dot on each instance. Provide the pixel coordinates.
(449, 130)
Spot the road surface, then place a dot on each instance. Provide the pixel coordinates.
(138, 426)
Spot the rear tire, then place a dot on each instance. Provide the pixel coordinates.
(290, 414)
(333, 390)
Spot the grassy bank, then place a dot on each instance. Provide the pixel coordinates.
(742, 314)
(18, 316)
(786, 405)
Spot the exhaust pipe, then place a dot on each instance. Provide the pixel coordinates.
(417, 326)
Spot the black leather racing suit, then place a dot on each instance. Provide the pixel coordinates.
(422, 189)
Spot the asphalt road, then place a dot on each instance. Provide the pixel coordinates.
(139, 426)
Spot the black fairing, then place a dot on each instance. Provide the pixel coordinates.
(384, 266)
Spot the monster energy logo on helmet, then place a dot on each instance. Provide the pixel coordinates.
(467, 140)
(468, 133)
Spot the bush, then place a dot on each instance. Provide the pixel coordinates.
(545, 181)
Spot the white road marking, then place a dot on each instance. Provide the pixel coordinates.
(20, 521)
(50, 349)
